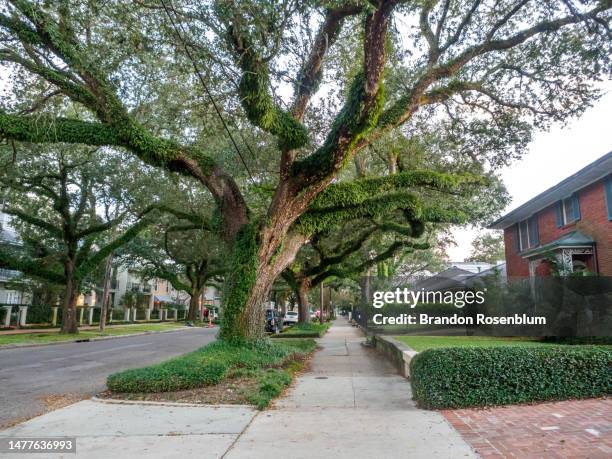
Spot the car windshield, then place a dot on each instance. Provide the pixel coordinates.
(291, 313)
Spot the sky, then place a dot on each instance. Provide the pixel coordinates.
(552, 156)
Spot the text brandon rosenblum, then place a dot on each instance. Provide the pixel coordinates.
(456, 319)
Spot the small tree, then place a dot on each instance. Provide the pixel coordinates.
(487, 248)
(61, 202)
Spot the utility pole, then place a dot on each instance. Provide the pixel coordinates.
(105, 293)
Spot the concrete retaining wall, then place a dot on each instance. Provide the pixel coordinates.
(397, 352)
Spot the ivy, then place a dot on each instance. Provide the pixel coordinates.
(357, 191)
(241, 278)
(257, 101)
(354, 122)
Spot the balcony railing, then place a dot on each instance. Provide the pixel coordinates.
(133, 287)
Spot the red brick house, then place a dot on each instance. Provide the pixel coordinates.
(570, 223)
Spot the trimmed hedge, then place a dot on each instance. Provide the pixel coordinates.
(309, 330)
(465, 376)
(206, 366)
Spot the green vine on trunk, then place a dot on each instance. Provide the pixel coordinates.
(241, 278)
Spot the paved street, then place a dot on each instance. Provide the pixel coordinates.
(32, 376)
(351, 404)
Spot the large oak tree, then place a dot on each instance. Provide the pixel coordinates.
(390, 60)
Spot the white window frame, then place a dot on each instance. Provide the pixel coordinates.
(567, 219)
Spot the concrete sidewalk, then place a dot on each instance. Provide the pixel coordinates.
(352, 404)
(106, 429)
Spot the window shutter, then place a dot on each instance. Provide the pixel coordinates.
(576, 206)
(608, 187)
(559, 214)
(534, 231)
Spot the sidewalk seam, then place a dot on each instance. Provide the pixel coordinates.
(239, 435)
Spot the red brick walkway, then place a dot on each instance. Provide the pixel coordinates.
(569, 429)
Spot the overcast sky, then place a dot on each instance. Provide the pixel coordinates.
(553, 156)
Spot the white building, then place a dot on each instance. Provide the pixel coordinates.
(10, 294)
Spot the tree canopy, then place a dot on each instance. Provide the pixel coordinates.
(302, 87)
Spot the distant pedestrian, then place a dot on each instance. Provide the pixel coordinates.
(206, 316)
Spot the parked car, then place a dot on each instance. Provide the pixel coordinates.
(274, 321)
(313, 314)
(291, 317)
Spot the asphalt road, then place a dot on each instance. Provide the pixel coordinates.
(34, 378)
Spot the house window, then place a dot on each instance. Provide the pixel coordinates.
(608, 187)
(528, 233)
(568, 210)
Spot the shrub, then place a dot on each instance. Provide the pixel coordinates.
(206, 366)
(309, 330)
(466, 376)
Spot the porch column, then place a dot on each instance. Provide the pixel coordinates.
(7, 316)
(90, 313)
(147, 314)
(134, 312)
(54, 315)
(110, 316)
(81, 311)
(565, 259)
(126, 314)
(175, 314)
(23, 312)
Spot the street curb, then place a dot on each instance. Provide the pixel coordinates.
(116, 401)
(101, 338)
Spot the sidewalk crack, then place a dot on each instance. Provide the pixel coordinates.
(239, 435)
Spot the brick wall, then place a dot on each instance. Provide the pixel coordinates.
(593, 222)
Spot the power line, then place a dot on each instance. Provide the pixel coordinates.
(199, 75)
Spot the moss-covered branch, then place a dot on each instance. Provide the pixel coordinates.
(355, 192)
(29, 267)
(45, 129)
(254, 91)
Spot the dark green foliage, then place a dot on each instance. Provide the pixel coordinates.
(208, 365)
(308, 330)
(463, 377)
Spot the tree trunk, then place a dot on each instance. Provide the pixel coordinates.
(254, 267)
(69, 315)
(105, 293)
(365, 287)
(194, 304)
(302, 297)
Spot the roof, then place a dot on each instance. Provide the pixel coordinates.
(584, 177)
(445, 280)
(573, 239)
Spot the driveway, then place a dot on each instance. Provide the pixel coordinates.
(36, 379)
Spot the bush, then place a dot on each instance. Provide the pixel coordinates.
(466, 376)
(309, 330)
(206, 366)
